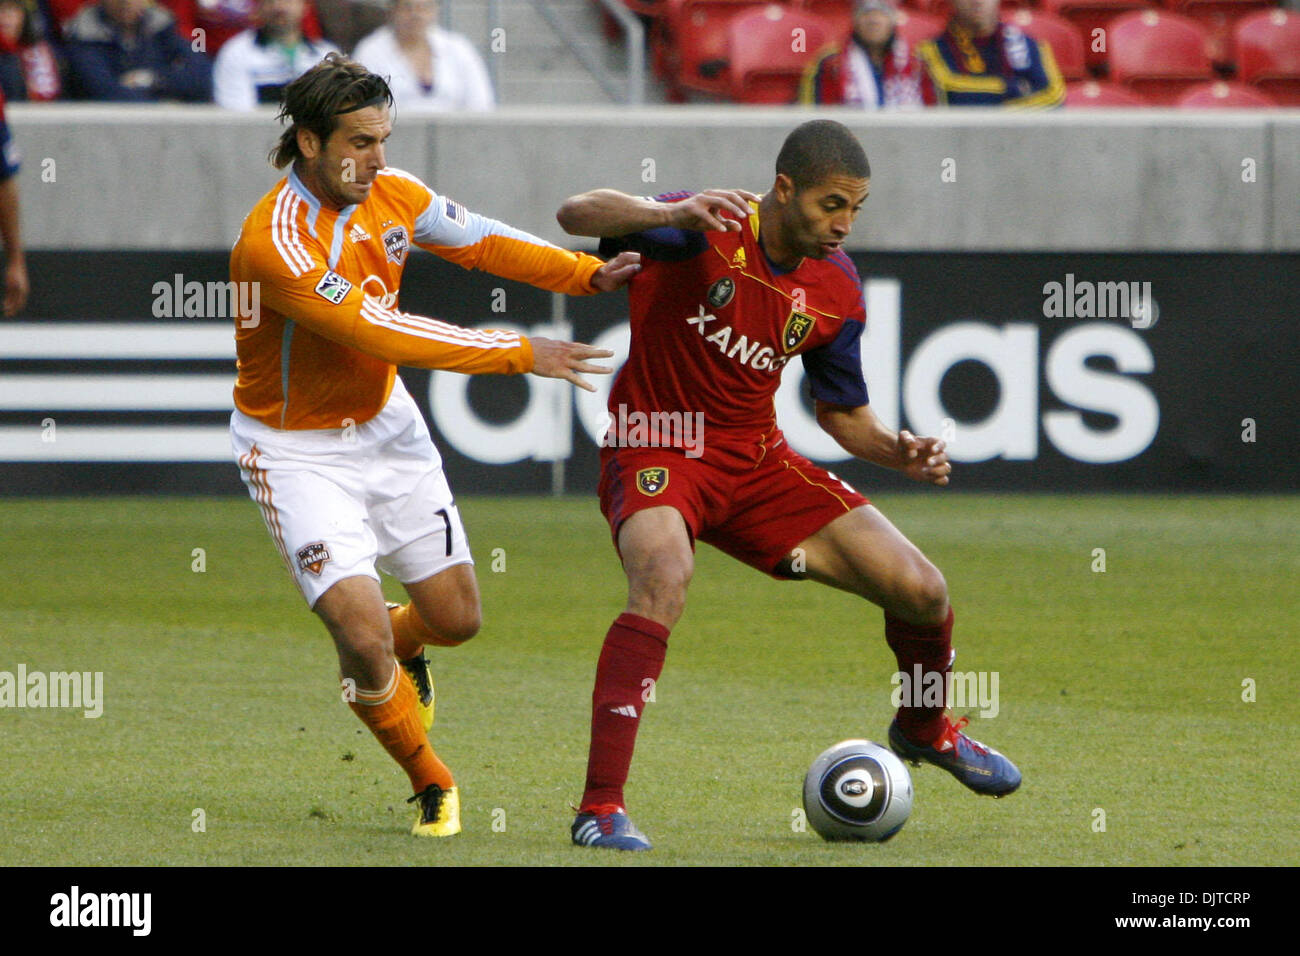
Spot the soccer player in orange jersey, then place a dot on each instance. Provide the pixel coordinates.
(330, 444)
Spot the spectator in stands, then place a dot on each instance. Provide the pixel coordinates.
(347, 21)
(876, 68)
(428, 68)
(219, 20)
(28, 69)
(15, 275)
(980, 61)
(130, 50)
(255, 66)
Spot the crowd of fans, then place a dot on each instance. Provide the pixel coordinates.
(1018, 54)
(978, 61)
(236, 53)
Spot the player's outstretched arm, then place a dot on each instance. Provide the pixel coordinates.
(449, 230)
(863, 435)
(305, 289)
(555, 359)
(609, 213)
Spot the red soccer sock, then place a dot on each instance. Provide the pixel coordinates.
(633, 652)
(930, 646)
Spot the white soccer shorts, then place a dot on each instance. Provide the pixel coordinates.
(341, 502)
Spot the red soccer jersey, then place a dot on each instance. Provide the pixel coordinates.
(714, 322)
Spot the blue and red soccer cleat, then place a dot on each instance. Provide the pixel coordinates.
(607, 827)
(980, 768)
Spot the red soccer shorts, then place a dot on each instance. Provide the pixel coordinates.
(757, 512)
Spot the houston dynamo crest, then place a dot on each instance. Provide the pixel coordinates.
(797, 327)
(313, 557)
(396, 243)
(651, 481)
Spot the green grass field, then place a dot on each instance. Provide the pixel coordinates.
(1119, 691)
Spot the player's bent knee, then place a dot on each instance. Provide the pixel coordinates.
(659, 592)
(366, 653)
(667, 581)
(368, 642)
(928, 594)
(452, 621)
(919, 595)
(462, 626)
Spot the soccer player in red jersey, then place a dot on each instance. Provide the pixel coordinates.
(733, 287)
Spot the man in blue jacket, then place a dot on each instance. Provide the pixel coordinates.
(980, 61)
(130, 51)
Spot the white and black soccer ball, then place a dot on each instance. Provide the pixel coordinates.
(857, 790)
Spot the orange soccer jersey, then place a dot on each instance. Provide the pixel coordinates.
(323, 347)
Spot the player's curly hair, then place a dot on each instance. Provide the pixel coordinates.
(821, 148)
(315, 100)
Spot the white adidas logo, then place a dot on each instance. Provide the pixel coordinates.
(357, 234)
(587, 833)
(627, 710)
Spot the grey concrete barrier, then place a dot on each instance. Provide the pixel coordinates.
(171, 177)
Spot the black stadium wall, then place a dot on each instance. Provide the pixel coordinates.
(1046, 372)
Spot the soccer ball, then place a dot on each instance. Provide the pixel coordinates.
(857, 790)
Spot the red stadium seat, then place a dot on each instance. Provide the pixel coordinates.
(1218, 95)
(915, 27)
(767, 56)
(1158, 55)
(1268, 54)
(1218, 17)
(697, 37)
(1090, 16)
(1060, 34)
(1091, 93)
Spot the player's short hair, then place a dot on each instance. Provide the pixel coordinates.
(819, 149)
(315, 100)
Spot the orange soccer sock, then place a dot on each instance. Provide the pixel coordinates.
(391, 716)
(410, 633)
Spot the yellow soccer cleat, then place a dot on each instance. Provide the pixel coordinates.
(422, 678)
(439, 812)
